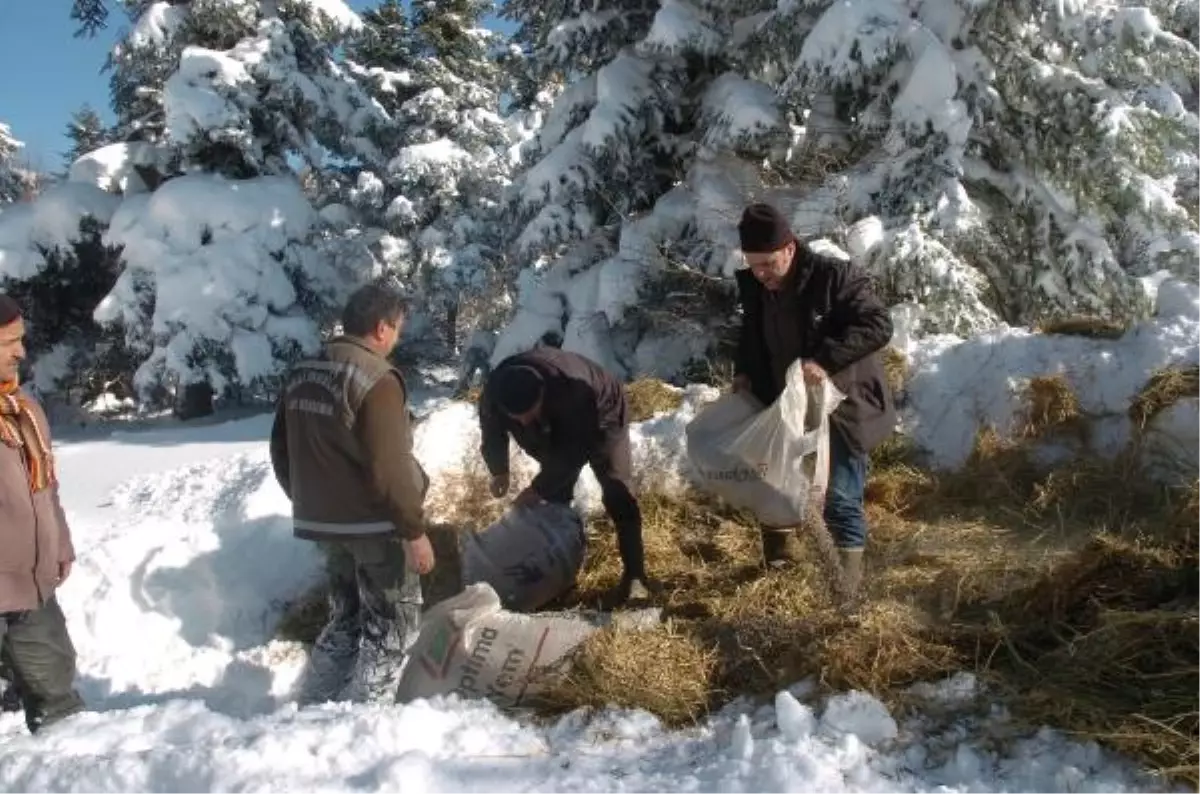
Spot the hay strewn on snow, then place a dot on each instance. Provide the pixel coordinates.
(663, 670)
(1071, 591)
(1164, 389)
(1090, 327)
(1019, 574)
(649, 397)
(1050, 405)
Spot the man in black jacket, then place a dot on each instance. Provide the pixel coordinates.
(566, 411)
(798, 305)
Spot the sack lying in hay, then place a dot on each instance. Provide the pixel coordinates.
(530, 556)
(471, 647)
(771, 461)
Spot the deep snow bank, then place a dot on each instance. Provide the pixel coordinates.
(957, 386)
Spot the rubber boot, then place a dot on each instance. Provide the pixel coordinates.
(852, 572)
(780, 547)
(852, 569)
(830, 562)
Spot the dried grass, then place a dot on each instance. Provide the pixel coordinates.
(751, 630)
(897, 479)
(1051, 407)
(1165, 388)
(650, 397)
(1090, 327)
(895, 367)
(664, 670)
(1105, 646)
(472, 395)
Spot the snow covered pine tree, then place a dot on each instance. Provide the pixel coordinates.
(951, 128)
(1022, 158)
(640, 172)
(444, 184)
(264, 90)
(14, 182)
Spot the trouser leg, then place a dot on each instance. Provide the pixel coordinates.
(331, 659)
(613, 467)
(38, 648)
(845, 514)
(390, 594)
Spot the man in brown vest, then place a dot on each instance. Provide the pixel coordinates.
(35, 545)
(342, 450)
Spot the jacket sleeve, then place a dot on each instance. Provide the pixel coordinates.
(384, 430)
(860, 324)
(66, 549)
(493, 436)
(279, 451)
(581, 429)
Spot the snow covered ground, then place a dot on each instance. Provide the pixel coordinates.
(957, 386)
(186, 560)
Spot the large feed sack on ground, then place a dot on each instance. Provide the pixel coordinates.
(470, 646)
(529, 557)
(772, 461)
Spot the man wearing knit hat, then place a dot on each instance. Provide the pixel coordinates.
(799, 305)
(566, 411)
(36, 553)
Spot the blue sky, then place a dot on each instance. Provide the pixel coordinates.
(48, 74)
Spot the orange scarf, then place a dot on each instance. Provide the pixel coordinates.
(20, 429)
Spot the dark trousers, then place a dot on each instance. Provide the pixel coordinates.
(37, 649)
(612, 463)
(844, 513)
(374, 617)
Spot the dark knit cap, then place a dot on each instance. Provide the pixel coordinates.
(10, 310)
(763, 229)
(518, 388)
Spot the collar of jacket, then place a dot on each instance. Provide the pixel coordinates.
(797, 277)
(356, 342)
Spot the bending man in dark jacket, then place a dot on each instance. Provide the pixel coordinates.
(797, 305)
(342, 450)
(566, 411)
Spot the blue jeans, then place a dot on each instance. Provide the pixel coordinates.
(844, 513)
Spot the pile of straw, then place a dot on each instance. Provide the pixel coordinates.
(650, 397)
(1089, 327)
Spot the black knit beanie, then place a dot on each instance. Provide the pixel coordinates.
(518, 388)
(10, 310)
(763, 229)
